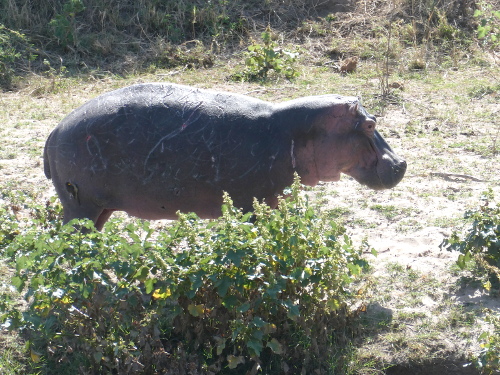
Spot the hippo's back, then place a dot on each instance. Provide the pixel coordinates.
(152, 100)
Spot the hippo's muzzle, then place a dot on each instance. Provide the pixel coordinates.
(390, 167)
(388, 170)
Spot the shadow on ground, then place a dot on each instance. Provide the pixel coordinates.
(434, 368)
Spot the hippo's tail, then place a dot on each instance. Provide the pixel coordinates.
(46, 164)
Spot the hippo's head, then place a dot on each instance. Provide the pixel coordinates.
(346, 141)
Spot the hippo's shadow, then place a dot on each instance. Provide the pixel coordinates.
(377, 320)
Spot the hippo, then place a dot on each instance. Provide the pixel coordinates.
(155, 149)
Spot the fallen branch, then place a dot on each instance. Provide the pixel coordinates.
(450, 176)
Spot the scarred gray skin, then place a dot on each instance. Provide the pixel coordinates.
(154, 149)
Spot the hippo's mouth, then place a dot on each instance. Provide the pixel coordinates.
(390, 170)
(387, 171)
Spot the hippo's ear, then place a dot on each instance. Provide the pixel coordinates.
(354, 108)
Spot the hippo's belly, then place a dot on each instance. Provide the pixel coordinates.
(155, 204)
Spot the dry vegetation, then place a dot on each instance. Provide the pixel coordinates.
(432, 85)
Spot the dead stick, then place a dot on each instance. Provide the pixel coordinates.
(448, 175)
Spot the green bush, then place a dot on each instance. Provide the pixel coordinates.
(482, 244)
(261, 59)
(488, 359)
(481, 241)
(14, 48)
(8, 226)
(47, 215)
(225, 296)
(488, 29)
(64, 25)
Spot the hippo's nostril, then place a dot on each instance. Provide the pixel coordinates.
(398, 171)
(402, 166)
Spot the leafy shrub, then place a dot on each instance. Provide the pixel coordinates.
(444, 29)
(488, 359)
(14, 47)
(13, 202)
(482, 243)
(489, 24)
(8, 226)
(482, 239)
(224, 296)
(266, 57)
(64, 25)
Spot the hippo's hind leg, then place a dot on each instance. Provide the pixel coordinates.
(103, 217)
(97, 214)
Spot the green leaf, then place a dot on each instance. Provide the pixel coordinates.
(86, 290)
(301, 273)
(275, 346)
(196, 310)
(149, 284)
(229, 302)
(221, 345)
(244, 307)
(18, 283)
(255, 346)
(196, 280)
(333, 304)
(276, 288)
(98, 356)
(223, 285)
(23, 262)
(258, 322)
(354, 268)
(236, 256)
(481, 31)
(484, 336)
(293, 312)
(233, 361)
(463, 259)
(292, 309)
(142, 273)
